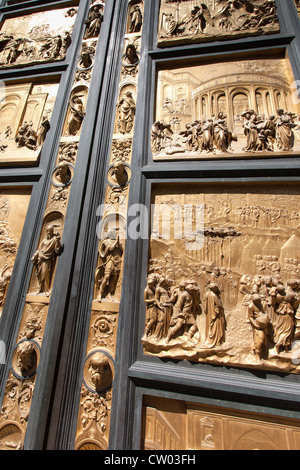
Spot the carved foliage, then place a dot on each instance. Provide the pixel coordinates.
(183, 21)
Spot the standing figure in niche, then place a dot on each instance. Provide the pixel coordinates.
(215, 318)
(44, 259)
(126, 113)
(136, 20)
(77, 115)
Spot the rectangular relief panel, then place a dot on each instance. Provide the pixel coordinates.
(36, 38)
(190, 21)
(25, 113)
(224, 275)
(231, 109)
(179, 425)
(13, 208)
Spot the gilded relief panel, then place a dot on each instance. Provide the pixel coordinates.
(97, 387)
(188, 21)
(36, 38)
(13, 208)
(226, 110)
(25, 113)
(178, 425)
(224, 275)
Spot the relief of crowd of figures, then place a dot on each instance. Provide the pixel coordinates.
(245, 107)
(185, 21)
(32, 39)
(236, 299)
(97, 387)
(213, 136)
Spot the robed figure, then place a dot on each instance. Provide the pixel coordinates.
(44, 259)
(126, 113)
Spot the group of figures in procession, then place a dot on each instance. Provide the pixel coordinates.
(214, 136)
(268, 304)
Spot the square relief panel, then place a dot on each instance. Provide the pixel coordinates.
(224, 275)
(13, 208)
(231, 109)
